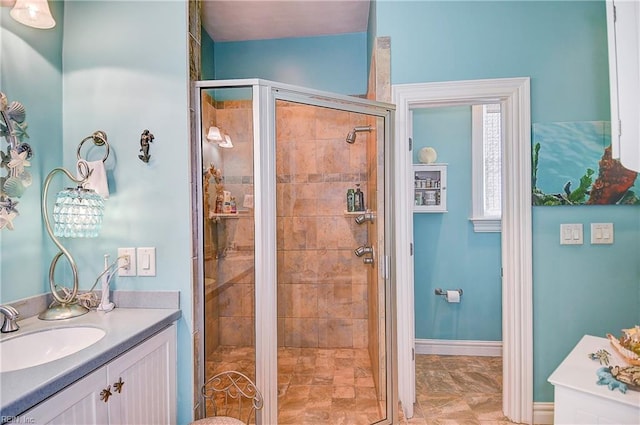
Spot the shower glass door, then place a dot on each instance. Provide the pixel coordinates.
(228, 230)
(329, 338)
(312, 279)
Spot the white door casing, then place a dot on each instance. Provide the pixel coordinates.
(517, 317)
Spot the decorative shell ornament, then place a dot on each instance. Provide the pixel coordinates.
(630, 375)
(16, 111)
(14, 160)
(427, 155)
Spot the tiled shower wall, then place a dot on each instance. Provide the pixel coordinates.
(229, 241)
(322, 285)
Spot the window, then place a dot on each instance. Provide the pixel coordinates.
(486, 141)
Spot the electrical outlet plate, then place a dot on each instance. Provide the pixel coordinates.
(131, 270)
(146, 261)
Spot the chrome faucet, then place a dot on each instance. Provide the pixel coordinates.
(10, 317)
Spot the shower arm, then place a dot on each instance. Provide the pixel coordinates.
(351, 137)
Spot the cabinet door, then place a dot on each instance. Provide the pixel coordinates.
(143, 382)
(430, 188)
(78, 404)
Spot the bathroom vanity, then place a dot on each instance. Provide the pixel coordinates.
(127, 377)
(579, 400)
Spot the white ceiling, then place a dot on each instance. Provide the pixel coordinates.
(241, 20)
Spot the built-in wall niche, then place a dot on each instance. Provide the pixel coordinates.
(430, 188)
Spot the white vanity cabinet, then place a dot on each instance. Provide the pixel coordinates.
(138, 387)
(623, 34)
(577, 397)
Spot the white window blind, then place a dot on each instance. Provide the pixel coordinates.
(486, 165)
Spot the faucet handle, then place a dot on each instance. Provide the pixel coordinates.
(11, 315)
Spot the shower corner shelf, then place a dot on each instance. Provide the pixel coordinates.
(350, 213)
(214, 216)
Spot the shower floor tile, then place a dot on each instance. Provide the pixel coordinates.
(315, 386)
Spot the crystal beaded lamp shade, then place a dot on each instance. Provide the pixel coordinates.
(78, 213)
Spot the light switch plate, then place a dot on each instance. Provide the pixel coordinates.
(146, 261)
(571, 234)
(601, 233)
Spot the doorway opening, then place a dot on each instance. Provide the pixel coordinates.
(517, 333)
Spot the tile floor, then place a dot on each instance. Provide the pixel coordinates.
(315, 386)
(335, 386)
(458, 390)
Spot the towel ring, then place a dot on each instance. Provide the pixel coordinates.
(99, 138)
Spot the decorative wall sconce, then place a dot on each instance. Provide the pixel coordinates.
(77, 213)
(16, 159)
(227, 142)
(146, 139)
(215, 135)
(32, 13)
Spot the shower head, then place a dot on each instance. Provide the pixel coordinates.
(361, 250)
(368, 216)
(351, 137)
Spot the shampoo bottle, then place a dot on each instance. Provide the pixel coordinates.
(351, 200)
(358, 199)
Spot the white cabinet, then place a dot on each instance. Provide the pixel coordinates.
(623, 34)
(579, 400)
(430, 188)
(137, 387)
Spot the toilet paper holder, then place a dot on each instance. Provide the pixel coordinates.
(439, 291)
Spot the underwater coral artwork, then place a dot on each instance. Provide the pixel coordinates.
(572, 165)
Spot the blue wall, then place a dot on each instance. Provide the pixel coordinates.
(115, 81)
(448, 253)
(562, 47)
(97, 70)
(336, 63)
(31, 73)
(207, 56)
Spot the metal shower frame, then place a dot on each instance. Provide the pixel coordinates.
(265, 93)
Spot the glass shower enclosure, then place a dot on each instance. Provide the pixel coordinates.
(293, 224)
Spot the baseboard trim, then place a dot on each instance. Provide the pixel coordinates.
(543, 413)
(459, 347)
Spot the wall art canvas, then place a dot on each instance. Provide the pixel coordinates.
(572, 165)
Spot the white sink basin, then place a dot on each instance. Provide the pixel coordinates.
(44, 346)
